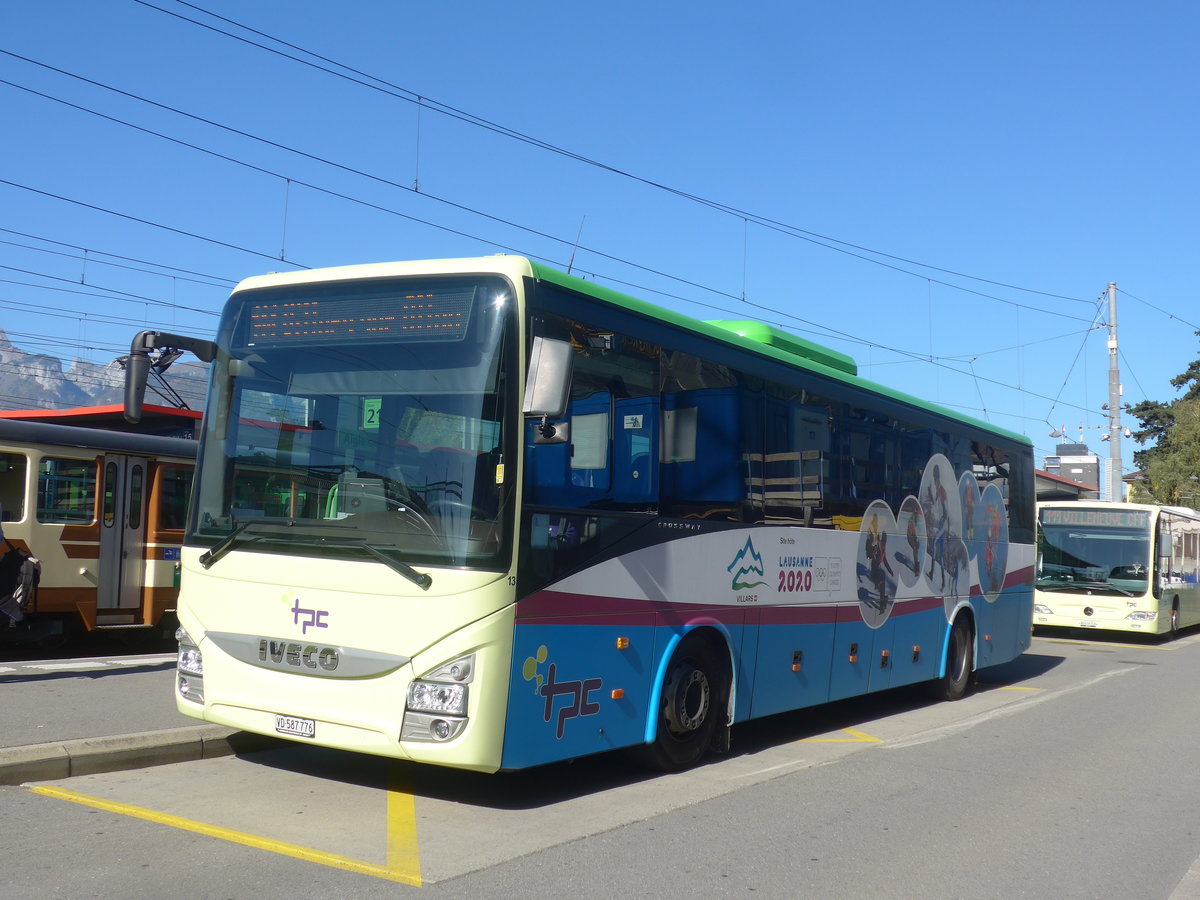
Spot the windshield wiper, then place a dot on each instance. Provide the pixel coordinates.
(226, 543)
(1070, 586)
(421, 579)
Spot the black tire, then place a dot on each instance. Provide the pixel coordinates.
(960, 662)
(691, 707)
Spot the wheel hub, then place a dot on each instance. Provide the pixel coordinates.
(690, 699)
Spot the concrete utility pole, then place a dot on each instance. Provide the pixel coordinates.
(1114, 402)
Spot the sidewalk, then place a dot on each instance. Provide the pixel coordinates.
(60, 718)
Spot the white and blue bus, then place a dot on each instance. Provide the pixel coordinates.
(480, 513)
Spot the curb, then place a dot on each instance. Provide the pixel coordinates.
(89, 756)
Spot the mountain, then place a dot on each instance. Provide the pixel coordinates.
(42, 381)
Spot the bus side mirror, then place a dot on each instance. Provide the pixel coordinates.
(137, 368)
(1164, 545)
(138, 363)
(548, 383)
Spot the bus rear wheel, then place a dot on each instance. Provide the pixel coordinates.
(960, 662)
(690, 708)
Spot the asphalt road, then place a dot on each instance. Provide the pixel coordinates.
(1072, 773)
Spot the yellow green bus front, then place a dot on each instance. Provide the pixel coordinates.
(347, 654)
(1117, 567)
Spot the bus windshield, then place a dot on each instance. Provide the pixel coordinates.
(358, 419)
(1097, 551)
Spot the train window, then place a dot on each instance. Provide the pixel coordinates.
(137, 475)
(66, 491)
(12, 486)
(110, 494)
(174, 486)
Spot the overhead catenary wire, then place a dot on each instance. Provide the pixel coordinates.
(291, 179)
(773, 312)
(403, 187)
(152, 224)
(1056, 401)
(411, 96)
(90, 254)
(112, 293)
(1169, 315)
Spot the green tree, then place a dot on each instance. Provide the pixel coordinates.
(1171, 463)
(1172, 473)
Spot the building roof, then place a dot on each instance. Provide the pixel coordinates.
(1049, 486)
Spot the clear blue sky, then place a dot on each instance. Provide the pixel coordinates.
(1045, 148)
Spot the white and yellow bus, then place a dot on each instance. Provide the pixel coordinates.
(480, 513)
(1117, 566)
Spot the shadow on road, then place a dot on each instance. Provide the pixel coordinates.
(558, 782)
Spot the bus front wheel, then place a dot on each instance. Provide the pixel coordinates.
(690, 708)
(960, 662)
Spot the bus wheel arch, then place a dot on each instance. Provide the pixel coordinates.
(691, 708)
(959, 675)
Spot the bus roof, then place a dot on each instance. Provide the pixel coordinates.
(1185, 511)
(753, 337)
(766, 341)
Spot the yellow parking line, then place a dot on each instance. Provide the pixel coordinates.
(402, 853)
(402, 864)
(857, 737)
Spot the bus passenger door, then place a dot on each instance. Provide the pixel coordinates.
(122, 533)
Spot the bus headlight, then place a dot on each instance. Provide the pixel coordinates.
(1142, 616)
(189, 666)
(190, 661)
(1042, 610)
(427, 696)
(437, 702)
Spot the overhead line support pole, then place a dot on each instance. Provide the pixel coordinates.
(1114, 402)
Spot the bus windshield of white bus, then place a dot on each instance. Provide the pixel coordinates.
(362, 418)
(1106, 551)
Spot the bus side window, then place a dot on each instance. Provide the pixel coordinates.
(578, 471)
(705, 454)
(554, 542)
(12, 486)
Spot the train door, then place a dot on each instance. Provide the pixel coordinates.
(122, 532)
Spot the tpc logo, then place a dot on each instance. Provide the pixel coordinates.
(313, 618)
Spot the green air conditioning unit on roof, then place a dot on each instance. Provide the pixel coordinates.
(789, 343)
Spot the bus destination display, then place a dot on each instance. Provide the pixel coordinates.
(1096, 517)
(434, 315)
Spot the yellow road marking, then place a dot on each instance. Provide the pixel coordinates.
(857, 737)
(403, 864)
(402, 853)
